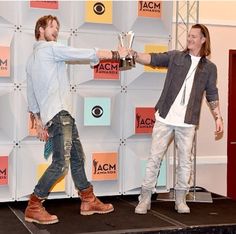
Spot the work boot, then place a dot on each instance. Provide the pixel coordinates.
(35, 212)
(180, 201)
(90, 204)
(144, 201)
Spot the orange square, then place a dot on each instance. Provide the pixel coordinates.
(44, 4)
(3, 170)
(150, 9)
(105, 166)
(4, 61)
(144, 119)
(107, 70)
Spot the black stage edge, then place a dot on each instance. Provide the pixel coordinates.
(218, 217)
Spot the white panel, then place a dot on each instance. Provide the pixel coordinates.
(29, 16)
(133, 99)
(22, 120)
(100, 133)
(24, 44)
(145, 25)
(29, 156)
(106, 187)
(22, 113)
(135, 87)
(9, 12)
(134, 161)
(83, 73)
(7, 114)
(6, 36)
(138, 77)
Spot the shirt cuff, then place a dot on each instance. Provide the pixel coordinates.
(95, 60)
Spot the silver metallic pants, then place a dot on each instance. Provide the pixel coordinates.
(161, 138)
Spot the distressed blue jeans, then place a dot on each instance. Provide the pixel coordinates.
(161, 137)
(67, 151)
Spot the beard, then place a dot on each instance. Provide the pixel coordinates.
(50, 37)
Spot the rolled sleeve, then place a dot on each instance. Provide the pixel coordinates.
(211, 88)
(95, 59)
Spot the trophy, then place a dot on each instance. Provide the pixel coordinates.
(126, 40)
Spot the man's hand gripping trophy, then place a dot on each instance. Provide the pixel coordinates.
(126, 41)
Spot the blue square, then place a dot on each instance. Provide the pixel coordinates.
(97, 111)
(161, 180)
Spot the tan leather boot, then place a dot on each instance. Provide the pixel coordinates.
(35, 212)
(90, 204)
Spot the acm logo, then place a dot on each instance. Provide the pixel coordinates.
(149, 6)
(107, 67)
(107, 70)
(144, 122)
(144, 119)
(3, 64)
(5, 61)
(3, 173)
(150, 9)
(3, 170)
(103, 168)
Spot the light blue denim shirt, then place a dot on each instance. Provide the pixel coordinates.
(48, 87)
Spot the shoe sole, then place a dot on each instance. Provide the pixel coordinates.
(30, 220)
(140, 212)
(182, 212)
(96, 212)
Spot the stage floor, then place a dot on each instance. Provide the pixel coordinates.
(216, 217)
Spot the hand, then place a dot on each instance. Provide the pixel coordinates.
(42, 133)
(219, 127)
(123, 52)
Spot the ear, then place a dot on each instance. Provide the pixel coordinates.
(203, 40)
(41, 30)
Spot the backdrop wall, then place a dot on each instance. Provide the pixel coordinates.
(113, 109)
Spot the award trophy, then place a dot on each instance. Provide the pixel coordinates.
(126, 40)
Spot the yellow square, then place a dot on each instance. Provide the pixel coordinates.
(59, 186)
(98, 11)
(154, 48)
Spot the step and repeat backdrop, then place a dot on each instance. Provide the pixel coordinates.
(114, 109)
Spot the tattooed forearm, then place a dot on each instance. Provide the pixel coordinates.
(213, 105)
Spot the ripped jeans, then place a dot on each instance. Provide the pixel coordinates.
(67, 151)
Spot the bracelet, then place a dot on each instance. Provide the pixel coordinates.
(135, 54)
(115, 55)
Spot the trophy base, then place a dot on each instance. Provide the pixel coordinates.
(126, 63)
